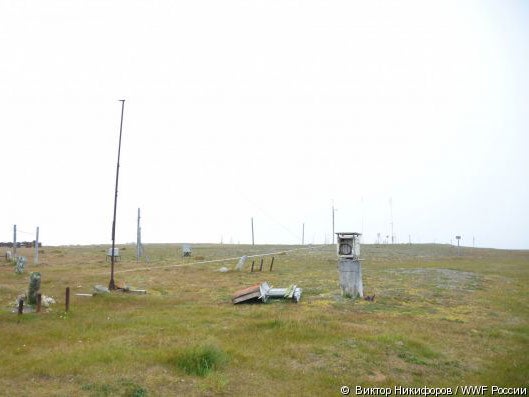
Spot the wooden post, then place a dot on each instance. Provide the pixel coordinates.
(261, 267)
(272, 264)
(67, 298)
(20, 306)
(253, 262)
(39, 302)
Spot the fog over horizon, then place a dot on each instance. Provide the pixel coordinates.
(411, 116)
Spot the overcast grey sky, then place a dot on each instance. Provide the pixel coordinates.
(266, 109)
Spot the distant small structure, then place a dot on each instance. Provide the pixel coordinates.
(349, 266)
(186, 250)
(458, 249)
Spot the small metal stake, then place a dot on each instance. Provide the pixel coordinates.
(67, 298)
(272, 264)
(253, 262)
(20, 306)
(261, 267)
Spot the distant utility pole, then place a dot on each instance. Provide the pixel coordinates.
(253, 241)
(36, 260)
(139, 250)
(458, 249)
(473, 242)
(112, 284)
(303, 234)
(391, 219)
(14, 241)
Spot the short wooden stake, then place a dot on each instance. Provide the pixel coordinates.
(272, 264)
(20, 306)
(261, 267)
(67, 298)
(39, 302)
(253, 262)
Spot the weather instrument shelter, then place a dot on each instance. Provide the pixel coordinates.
(349, 266)
(349, 245)
(116, 254)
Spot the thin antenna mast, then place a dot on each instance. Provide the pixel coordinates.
(362, 205)
(112, 284)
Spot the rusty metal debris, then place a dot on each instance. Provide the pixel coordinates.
(261, 292)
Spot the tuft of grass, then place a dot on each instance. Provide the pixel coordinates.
(199, 360)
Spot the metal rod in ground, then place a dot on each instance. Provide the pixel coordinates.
(261, 267)
(39, 302)
(253, 262)
(20, 306)
(67, 306)
(272, 264)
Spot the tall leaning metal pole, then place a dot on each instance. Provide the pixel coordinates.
(112, 284)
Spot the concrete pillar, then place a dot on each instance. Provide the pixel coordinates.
(351, 277)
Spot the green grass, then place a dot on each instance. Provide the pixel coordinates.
(199, 360)
(438, 319)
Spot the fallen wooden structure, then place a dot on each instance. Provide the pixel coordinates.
(262, 292)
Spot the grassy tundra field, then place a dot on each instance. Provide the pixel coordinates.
(438, 319)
